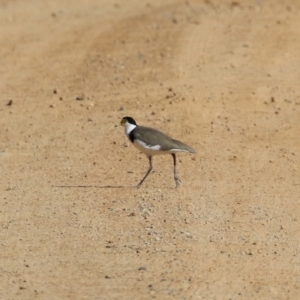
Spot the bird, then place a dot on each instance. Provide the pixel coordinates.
(152, 142)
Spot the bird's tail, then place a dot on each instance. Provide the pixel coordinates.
(184, 147)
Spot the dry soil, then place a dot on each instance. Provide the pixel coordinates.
(222, 76)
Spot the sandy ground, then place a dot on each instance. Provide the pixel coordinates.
(222, 76)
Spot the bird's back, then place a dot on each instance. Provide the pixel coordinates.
(153, 137)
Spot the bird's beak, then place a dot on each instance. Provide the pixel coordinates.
(120, 124)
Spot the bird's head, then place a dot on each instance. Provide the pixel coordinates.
(127, 121)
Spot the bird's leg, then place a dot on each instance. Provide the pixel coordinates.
(176, 177)
(148, 172)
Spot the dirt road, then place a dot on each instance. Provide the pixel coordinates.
(222, 76)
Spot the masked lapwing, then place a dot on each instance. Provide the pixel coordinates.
(151, 142)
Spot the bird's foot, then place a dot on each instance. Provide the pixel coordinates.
(177, 181)
(138, 185)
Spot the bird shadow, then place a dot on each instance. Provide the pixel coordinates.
(107, 187)
(90, 186)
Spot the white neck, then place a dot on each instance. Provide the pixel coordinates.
(128, 128)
